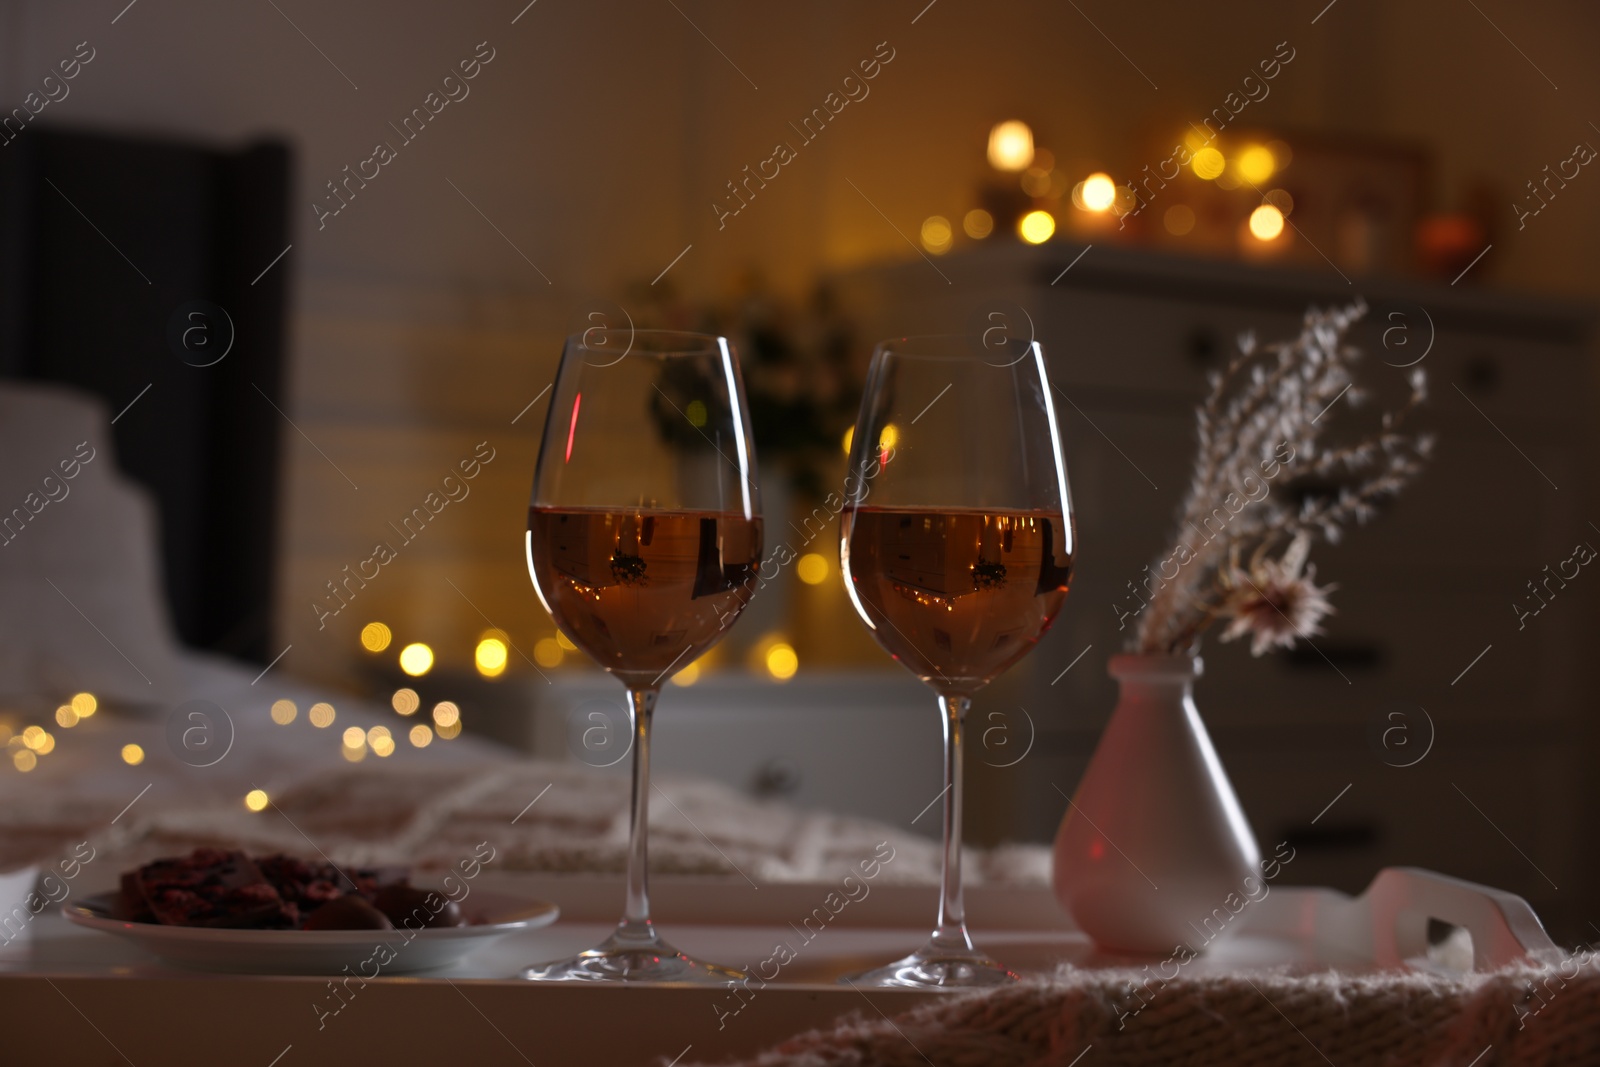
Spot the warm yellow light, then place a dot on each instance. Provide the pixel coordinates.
(34, 737)
(66, 718)
(1011, 146)
(420, 735)
(1266, 222)
(451, 732)
(375, 637)
(565, 643)
(782, 662)
(1099, 193)
(416, 659)
(1208, 163)
(26, 761)
(256, 800)
(46, 745)
(978, 224)
(1036, 227)
(321, 715)
(936, 234)
(283, 712)
(405, 701)
(377, 733)
(1256, 164)
(1280, 199)
(849, 435)
(1179, 219)
(888, 437)
(383, 747)
(353, 755)
(132, 755)
(490, 657)
(84, 704)
(812, 568)
(445, 713)
(354, 737)
(688, 676)
(547, 652)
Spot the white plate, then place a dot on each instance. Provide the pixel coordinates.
(320, 951)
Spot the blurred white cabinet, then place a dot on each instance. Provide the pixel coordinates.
(857, 744)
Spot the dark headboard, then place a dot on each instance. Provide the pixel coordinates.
(103, 241)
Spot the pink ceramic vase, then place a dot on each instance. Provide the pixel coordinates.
(1154, 842)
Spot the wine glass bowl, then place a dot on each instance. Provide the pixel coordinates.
(643, 542)
(956, 595)
(957, 547)
(643, 590)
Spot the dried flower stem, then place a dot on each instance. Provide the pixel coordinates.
(1262, 420)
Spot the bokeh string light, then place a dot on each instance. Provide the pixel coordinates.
(375, 637)
(1011, 146)
(490, 657)
(1266, 222)
(416, 659)
(1036, 227)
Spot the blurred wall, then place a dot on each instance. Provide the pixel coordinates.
(595, 140)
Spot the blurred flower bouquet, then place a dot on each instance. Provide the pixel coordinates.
(801, 383)
(1240, 555)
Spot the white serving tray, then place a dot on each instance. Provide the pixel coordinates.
(1385, 927)
(91, 998)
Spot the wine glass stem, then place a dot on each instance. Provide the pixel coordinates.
(951, 933)
(635, 925)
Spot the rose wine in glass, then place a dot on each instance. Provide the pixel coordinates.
(644, 537)
(957, 547)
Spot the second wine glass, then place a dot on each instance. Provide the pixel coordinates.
(644, 535)
(956, 546)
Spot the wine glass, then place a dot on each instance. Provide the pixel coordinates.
(956, 546)
(644, 538)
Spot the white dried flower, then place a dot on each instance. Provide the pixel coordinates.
(1276, 602)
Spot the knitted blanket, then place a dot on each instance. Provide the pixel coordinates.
(1523, 1017)
(540, 816)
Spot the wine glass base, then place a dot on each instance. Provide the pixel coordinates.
(631, 962)
(925, 970)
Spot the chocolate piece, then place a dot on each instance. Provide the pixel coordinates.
(310, 885)
(212, 887)
(349, 912)
(424, 908)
